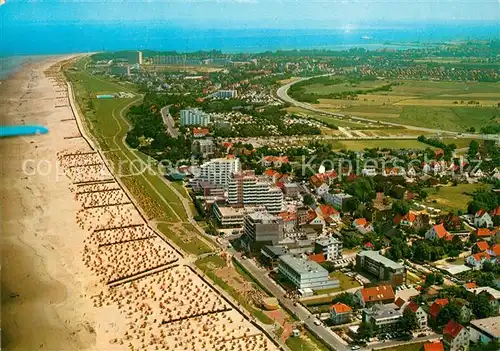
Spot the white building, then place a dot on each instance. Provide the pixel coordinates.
(246, 189)
(339, 200)
(218, 170)
(331, 247)
(194, 116)
(225, 94)
(228, 216)
(305, 274)
(482, 219)
(485, 330)
(140, 57)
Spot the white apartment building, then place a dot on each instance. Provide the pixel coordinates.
(246, 189)
(218, 170)
(331, 247)
(194, 116)
(226, 94)
(305, 274)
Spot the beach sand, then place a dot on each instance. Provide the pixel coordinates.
(43, 287)
(81, 267)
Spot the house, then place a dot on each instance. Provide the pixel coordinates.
(434, 346)
(476, 261)
(362, 225)
(289, 221)
(482, 219)
(326, 177)
(375, 295)
(437, 232)
(329, 213)
(396, 171)
(480, 246)
(419, 312)
(200, 132)
(452, 222)
(384, 318)
(494, 251)
(322, 189)
(477, 174)
(492, 294)
(436, 308)
(412, 172)
(484, 233)
(369, 171)
(455, 337)
(275, 161)
(407, 220)
(340, 313)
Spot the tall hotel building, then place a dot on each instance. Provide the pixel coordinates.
(245, 189)
(218, 170)
(193, 117)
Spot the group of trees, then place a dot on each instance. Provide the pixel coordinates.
(483, 199)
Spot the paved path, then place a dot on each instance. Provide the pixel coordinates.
(320, 331)
(282, 93)
(169, 122)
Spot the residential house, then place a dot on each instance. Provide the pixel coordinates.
(455, 337)
(436, 307)
(322, 189)
(375, 295)
(480, 246)
(396, 171)
(452, 222)
(494, 252)
(275, 161)
(200, 132)
(477, 174)
(384, 318)
(412, 172)
(482, 219)
(438, 232)
(362, 225)
(328, 213)
(477, 260)
(289, 221)
(419, 313)
(493, 296)
(485, 233)
(340, 313)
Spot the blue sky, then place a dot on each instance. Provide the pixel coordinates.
(251, 13)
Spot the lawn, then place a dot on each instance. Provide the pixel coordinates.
(346, 282)
(209, 264)
(358, 145)
(305, 342)
(451, 198)
(187, 241)
(405, 347)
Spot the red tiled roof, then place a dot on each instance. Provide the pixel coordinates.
(479, 256)
(436, 307)
(470, 285)
(288, 216)
(412, 306)
(360, 221)
(271, 172)
(452, 329)
(495, 212)
(328, 210)
(440, 230)
(282, 159)
(480, 212)
(482, 232)
(496, 249)
(399, 302)
(433, 346)
(482, 245)
(200, 131)
(377, 293)
(318, 258)
(340, 307)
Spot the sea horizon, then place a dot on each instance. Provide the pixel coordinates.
(65, 38)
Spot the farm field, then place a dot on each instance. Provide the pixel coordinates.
(451, 198)
(454, 106)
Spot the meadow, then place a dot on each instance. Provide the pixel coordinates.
(451, 198)
(453, 106)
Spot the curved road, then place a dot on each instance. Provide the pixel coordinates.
(282, 93)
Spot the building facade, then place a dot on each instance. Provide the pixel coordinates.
(193, 117)
(381, 267)
(305, 274)
(330, 247)
(218, 170)
(263, 227)
(246, 189)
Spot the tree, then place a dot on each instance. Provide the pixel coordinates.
(481, 306)
(430, 279)
(409, 321)
(439, 279)
(348, 299)
(449, 312)
(421, 251)
(473, 149)
(309, 200)
(365, 331)
(400, 207)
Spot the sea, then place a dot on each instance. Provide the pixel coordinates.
(27, 39)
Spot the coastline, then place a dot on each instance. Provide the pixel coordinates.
(43, 285)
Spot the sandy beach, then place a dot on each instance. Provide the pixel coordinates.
(81, 267)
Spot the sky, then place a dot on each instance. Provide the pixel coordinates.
(250, 13)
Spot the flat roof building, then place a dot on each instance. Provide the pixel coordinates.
(228, 216)
(263, 227)
(305, 274)
(485, 330)
(331, 247)
(381, 267)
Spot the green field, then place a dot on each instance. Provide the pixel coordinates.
(451, 198)
(453, 106)
(305, 342)
(358, 145)
(209, 264)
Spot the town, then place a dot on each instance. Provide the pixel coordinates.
(353, 232)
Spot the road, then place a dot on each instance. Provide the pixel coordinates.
(322, 332)
(282, 93)
(169, 122)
